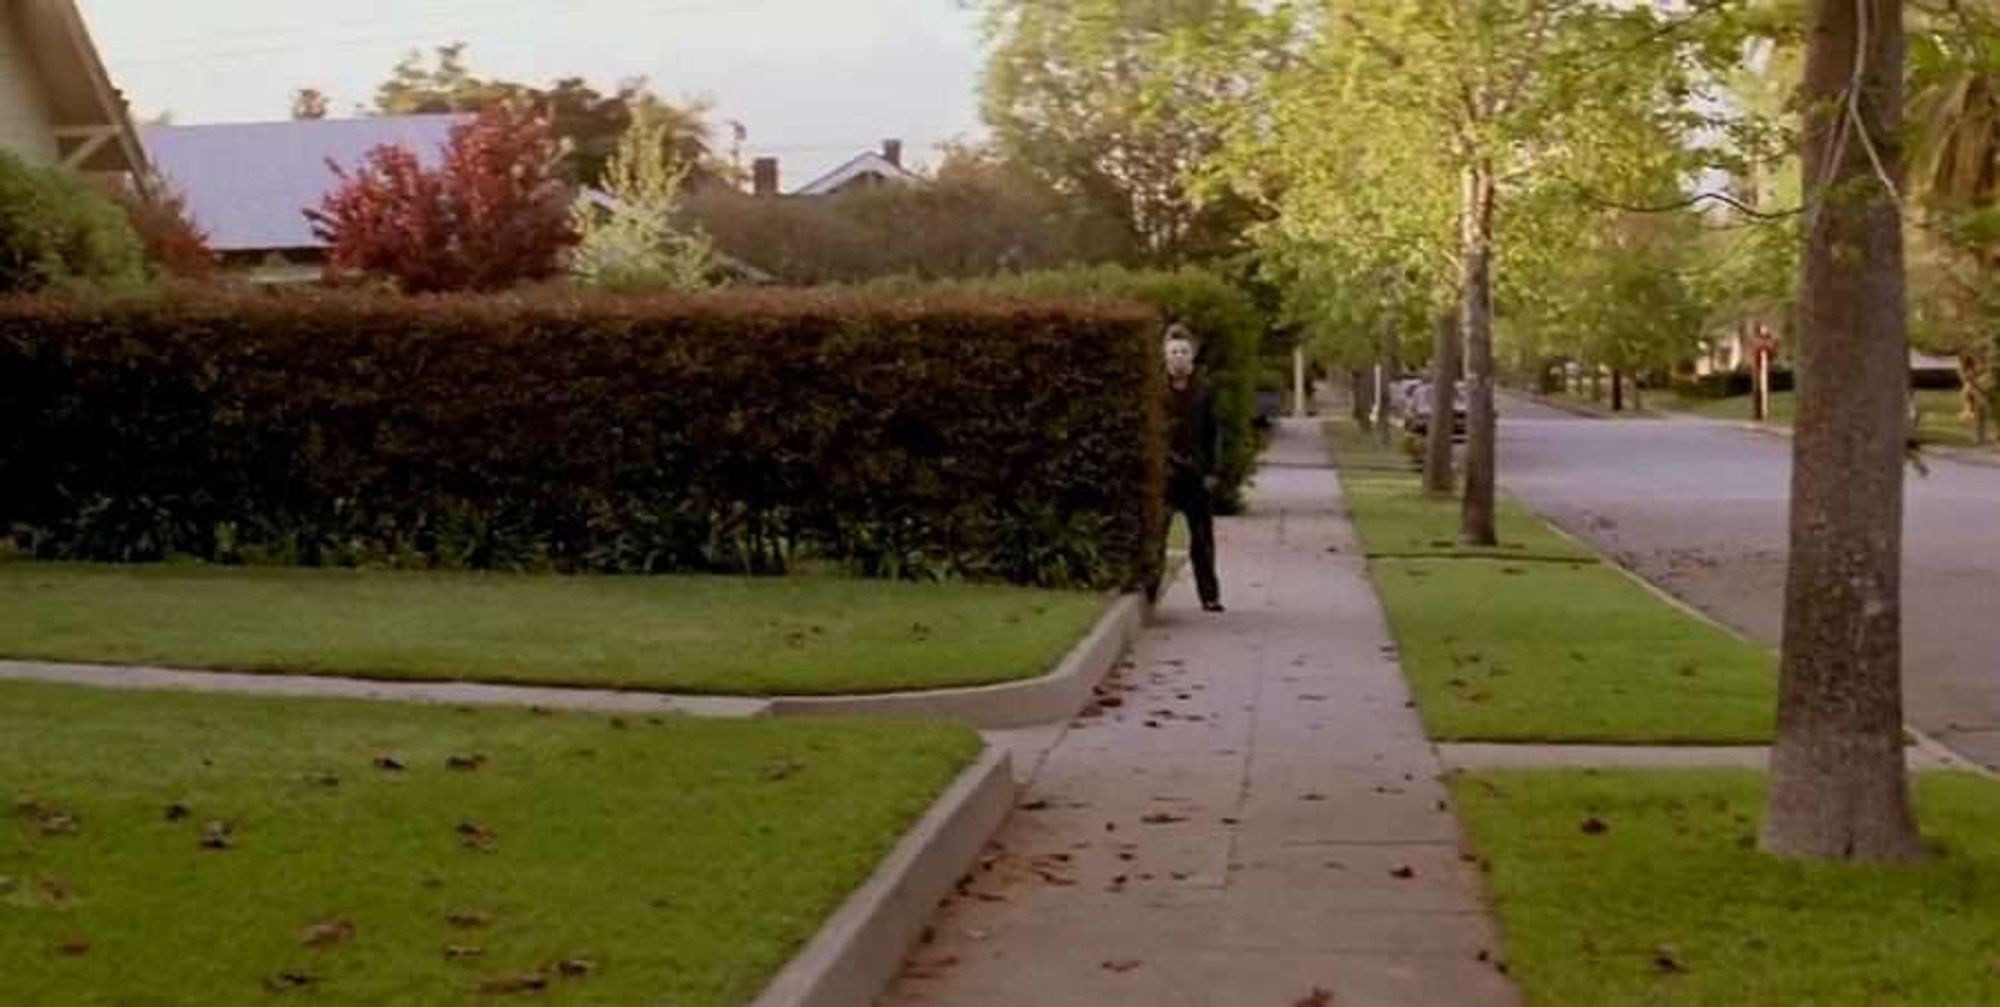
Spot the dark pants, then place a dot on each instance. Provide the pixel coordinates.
(1187, 495)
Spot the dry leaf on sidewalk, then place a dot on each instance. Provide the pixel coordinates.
(1317, 998)
(1121, 965)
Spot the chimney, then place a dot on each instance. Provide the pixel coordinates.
(764, 176)
(892, 152)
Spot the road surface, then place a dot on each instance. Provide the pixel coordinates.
(1700, 509)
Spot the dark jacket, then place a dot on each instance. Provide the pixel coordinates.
(1193, 437)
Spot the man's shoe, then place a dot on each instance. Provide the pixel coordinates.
(1212, 606)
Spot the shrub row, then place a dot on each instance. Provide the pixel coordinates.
(58, 229)
(988, 438)
(1224, 318)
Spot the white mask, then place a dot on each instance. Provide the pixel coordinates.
(1180, 358)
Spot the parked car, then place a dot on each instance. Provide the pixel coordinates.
(1270, 406)
(1418, 406)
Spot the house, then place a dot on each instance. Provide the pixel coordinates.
(866, 169)
(57, 103)
(249, 185)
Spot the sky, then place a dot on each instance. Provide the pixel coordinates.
(813, 81)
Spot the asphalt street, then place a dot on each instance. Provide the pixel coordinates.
(1700, 508)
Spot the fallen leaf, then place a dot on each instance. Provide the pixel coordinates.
(470, 920)
(75, 947)
(218, 836)
(290, 981)
(1163, 818)
(1317, 998)
(460, 952)
(783, 769)
(1111, 702)
(1038, 804)
(49, 819)
(1121, 965)
(1312, 797)
(1595, 827)
(326, 935)
(1403, 871)
(474, 836)
(525, 982)
(466, 763)
(1667, 960)
(575, 968)
(54, 890)
(177, 811)
(322, 779)
(389, 764)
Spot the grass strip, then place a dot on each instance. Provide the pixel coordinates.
(1645, 889)
(692, 634)
(1501, 649)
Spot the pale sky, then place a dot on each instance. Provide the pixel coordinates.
(814, 81)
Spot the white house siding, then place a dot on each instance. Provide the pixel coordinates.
(24, 117)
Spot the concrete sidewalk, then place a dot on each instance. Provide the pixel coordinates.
(1251, 816)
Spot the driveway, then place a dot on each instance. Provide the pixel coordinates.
(1700, 508)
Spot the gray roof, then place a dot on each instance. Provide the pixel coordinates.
(249, 184)
(860, 166)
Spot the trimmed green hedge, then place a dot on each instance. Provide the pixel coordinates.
(1223, 316)
(984, 438)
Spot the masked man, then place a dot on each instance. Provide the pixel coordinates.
(1193, 445)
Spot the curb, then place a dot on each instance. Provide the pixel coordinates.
(1052, 698)
(143, 678)
(1931, 746)
(1587, 412)
(861, 948)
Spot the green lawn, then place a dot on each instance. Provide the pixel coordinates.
(1395, 521)
(1538, 641)
(1671, 906)
(685, 634)
(669, 861)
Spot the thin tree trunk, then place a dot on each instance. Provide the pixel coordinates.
(1596, 383)
(1617, 390)
(1839, 788)
(1363, 382)
(1445, 369)
(1476, 525)
(1391, 351)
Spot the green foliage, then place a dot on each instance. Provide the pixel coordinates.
(57, 230)
(1114, 103)
(1224, 318)
(615, 434)
(635, 241)
(978, 214)
(590, 123)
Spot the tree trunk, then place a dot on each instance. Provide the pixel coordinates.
(1476, 517)
(1839, 788)
(1445, 369)
(1596, 383)
(1363, 382)
(1617, 390)
(1391, 351)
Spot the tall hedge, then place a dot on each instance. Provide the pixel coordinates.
(1224, 317)
(981, 438)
